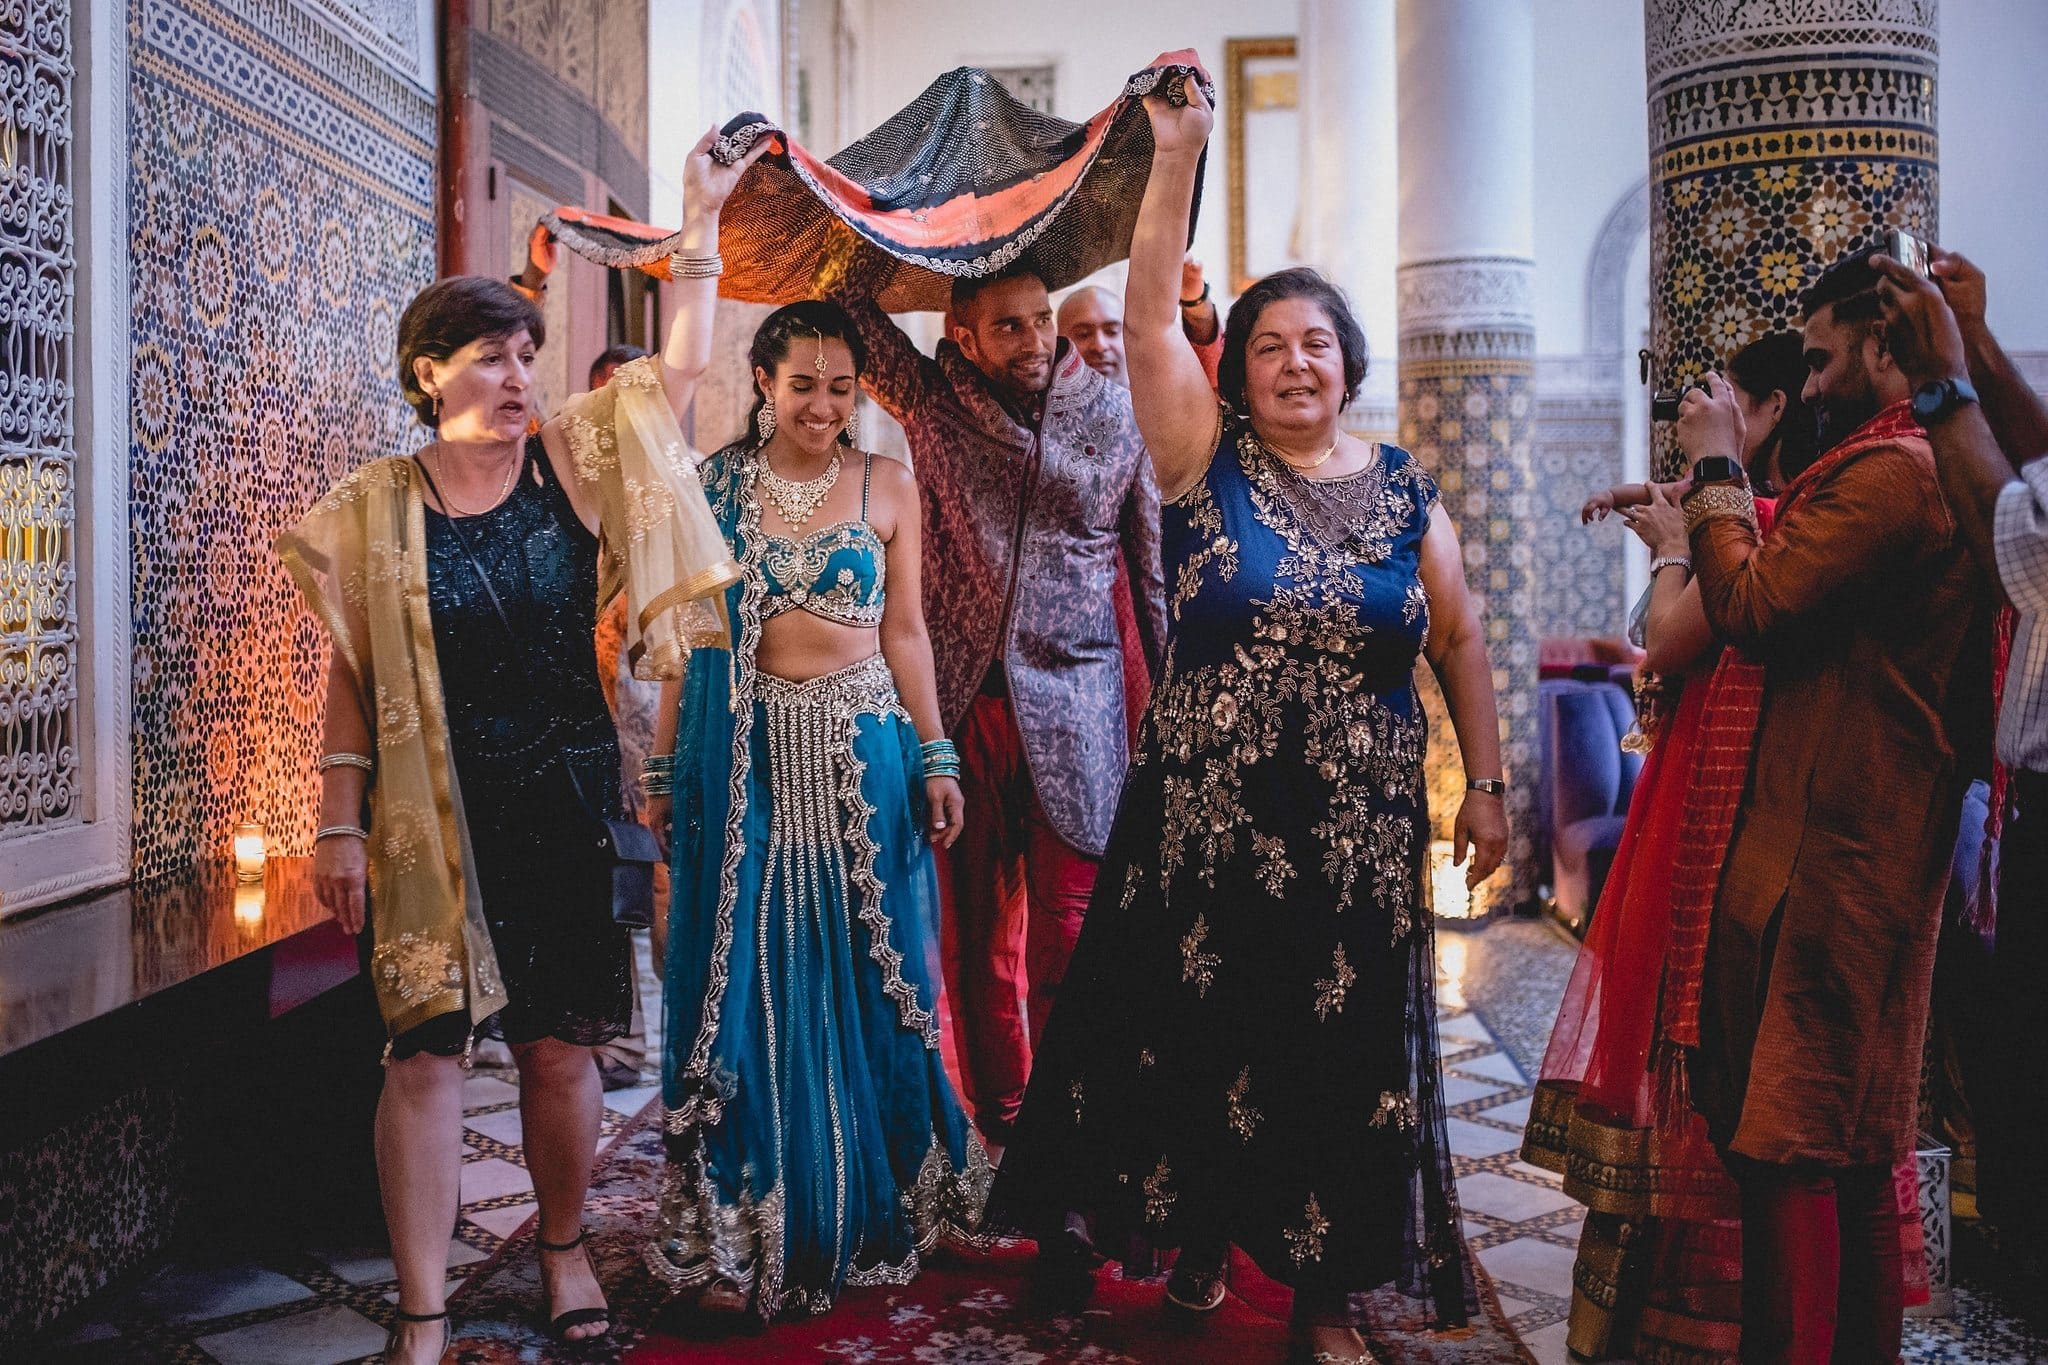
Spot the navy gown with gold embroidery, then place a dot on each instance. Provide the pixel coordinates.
(1245, 1044)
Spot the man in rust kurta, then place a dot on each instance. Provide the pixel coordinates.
(1872, 624)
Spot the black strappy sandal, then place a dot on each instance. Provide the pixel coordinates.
(391, 1338)
(560, 1323)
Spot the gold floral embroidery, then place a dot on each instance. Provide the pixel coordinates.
(1305, 1243)
(1146, 1058)
(1395, 1107)
(1158, 1199)
(1330, 991)
(1274, 868)
(401, 834)
(1243, 1118)
(398, 715)
(1133, 876)
(1196, 965)
(1074, 1094)
(417, 967)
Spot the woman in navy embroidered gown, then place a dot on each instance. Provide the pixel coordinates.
(1244, 1050)
(813, 1138)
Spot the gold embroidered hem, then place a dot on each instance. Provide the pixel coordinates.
(745, 1243)
(1612, 1167)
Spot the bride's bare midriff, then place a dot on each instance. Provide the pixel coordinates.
(798, 646)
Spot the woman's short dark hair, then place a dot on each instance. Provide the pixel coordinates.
(1777, 364)
(1298, 283)
(449, 314)
(807, 320)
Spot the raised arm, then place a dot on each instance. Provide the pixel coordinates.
(900, 377)
(707, 184)
(1977, 445)
(1676, 635)
(1138, 530)
(1170, 394)
(1877, 515)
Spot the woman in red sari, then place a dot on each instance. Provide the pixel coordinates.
(1659, 1266)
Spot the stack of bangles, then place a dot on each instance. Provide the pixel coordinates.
(327, 763)
(941, 759)
(658, 775)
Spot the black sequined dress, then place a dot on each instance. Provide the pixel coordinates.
(520, 712)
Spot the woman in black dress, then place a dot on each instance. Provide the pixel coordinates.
(511, 586)
(1244, 1049)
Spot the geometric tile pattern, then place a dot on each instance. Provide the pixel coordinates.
(1783, 136)
(281, 215)
(1466, 411)
(1576, 451)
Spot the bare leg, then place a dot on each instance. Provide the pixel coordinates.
(419, 1172)
(561, 1107)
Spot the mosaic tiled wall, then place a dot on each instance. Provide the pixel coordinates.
(1784, 134)
(1466, 357)
(1575, 452)
(281, 210)
(71, 1207)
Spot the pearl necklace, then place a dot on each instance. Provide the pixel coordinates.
(448, 503)
(798, 502)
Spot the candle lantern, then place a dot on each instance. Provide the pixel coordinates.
(249, 852)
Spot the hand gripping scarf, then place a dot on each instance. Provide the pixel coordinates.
(967, 180)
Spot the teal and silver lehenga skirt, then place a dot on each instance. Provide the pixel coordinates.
(813, 1137)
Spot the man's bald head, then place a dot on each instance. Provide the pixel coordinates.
(1092, 320)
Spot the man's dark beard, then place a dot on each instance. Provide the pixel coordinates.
(1842, 415)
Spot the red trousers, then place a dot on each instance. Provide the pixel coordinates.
(1015, 896)
(1822, 1276)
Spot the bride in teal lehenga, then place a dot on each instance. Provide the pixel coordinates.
(813, 1138)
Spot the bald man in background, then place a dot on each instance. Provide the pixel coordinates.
(1092, 320)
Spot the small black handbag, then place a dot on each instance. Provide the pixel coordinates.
(627, 847)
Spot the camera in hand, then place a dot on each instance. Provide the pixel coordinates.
(1664, 404)
(1908, 250)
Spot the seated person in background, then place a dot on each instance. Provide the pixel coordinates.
(1092, 319)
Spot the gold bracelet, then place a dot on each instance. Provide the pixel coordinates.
(345, 760)
(1718, 500)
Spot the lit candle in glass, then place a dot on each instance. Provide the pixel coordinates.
(249, 852)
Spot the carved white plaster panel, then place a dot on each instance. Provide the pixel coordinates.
(1685, 34)
(1474, 294)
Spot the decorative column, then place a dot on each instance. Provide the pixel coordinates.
(1348, 183)
(1467, 348)
(1782, 138)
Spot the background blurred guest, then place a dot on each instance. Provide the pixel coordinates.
(1983, 420)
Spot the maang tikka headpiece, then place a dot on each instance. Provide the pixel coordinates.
(819, 363)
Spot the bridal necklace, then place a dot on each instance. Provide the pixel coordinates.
(798, 502)
(448, 503)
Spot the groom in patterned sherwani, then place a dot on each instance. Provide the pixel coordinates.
(1038, 498)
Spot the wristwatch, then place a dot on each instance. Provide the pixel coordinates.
(1492, 786)
(1717, 469)
(1934, 401)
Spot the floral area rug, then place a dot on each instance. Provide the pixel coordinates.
(967, 1308)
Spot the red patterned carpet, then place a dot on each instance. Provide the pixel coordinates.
(966, 1309)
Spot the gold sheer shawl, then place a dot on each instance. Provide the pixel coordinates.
(360, 559)
(663, 548)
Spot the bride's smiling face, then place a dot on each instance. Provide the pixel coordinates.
(813, 390)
